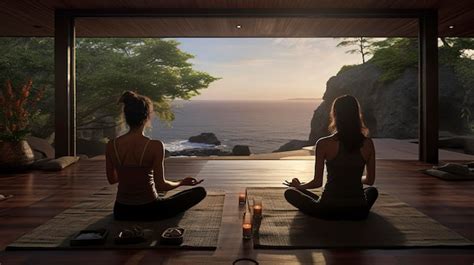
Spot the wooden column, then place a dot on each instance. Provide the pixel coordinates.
(428, 87)
(65, 85)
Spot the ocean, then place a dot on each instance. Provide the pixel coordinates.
(262, 125)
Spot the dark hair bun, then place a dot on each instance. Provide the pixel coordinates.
(137, 109)
(128, 97)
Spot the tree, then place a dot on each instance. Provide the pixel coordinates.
(459, 54)
(31, 58)
(362, 46)
(156, 68)
(394, 56)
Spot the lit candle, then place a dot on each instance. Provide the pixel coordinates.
(247, 231)
(241, 198)
(247, 226)
(257, 208)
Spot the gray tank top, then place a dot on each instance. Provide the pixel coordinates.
(344, 187)
(136, 182)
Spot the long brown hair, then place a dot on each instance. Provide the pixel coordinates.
(137, 109)
(347, 123)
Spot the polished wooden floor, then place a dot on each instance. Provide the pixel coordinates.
(39, 196)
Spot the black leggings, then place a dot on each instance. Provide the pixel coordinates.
(307, 202)
(161, 208)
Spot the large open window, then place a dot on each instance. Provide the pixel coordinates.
(73, 121)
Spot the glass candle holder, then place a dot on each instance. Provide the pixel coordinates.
(257, 208)
(247, 226)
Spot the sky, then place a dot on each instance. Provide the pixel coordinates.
(267, 68)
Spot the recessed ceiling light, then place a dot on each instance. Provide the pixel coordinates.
(451, 27)
(238, 26)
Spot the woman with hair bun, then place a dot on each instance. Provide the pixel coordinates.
(346, 152)
(136, 163)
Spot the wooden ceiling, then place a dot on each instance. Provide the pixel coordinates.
(250, 27)
(36, 18)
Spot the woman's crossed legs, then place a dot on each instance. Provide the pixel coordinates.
(308, 203)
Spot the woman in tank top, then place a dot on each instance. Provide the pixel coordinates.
(136, 163)
(346, 153)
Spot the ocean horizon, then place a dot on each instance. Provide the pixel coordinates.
(263, 125)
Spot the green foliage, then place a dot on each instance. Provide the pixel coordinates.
(362, 46)
(106, 67)
(14, 137)
(344, 68)
(18, 107)
(394, 56)
(31, 58)
(452, 53)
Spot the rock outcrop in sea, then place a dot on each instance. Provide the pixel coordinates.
(391, 109)
(205, 138)
(211, 143)
(292, 145)
(241, 150)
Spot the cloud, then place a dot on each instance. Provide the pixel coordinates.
(266, 68)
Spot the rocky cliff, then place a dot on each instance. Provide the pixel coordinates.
(391, 109)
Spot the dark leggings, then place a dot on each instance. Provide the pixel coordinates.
(161, 208)
(307, 202)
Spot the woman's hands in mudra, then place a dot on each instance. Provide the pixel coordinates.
(190, 181)
(295, 183)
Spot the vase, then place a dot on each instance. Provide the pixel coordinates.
(15, 155)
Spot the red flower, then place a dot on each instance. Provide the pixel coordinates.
(16, 111)
(9, 90)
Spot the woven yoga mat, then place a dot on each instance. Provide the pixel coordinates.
(201, 224)
(391, 224)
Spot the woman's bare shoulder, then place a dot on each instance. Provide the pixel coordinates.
(157, 144)
(368, 145)
(368, 142)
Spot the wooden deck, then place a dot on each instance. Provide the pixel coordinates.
(39, 196)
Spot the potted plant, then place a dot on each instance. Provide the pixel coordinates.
(17, 107)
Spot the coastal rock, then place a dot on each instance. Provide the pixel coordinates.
(200, 152)
(241, 150)
(390, 109)
(205, 138)
(292, 145)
